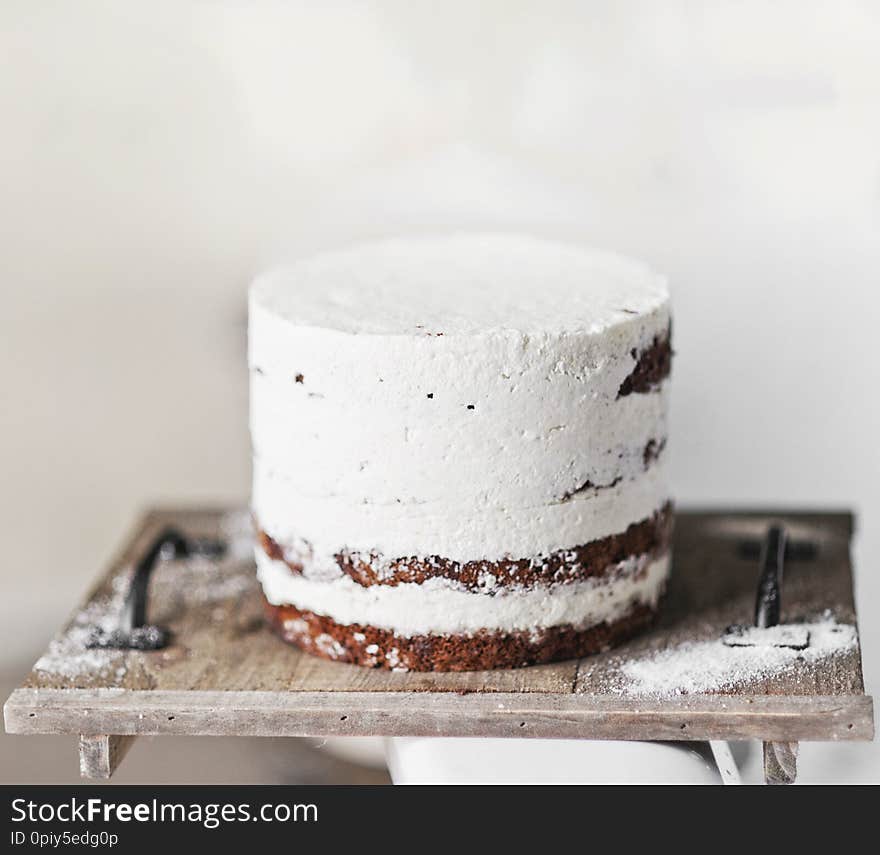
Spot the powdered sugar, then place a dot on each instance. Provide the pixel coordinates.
(175, 585)
(68, 656)
(711, 666)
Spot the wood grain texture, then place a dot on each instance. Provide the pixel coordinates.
(100, 755)
(225, 673)
(521, 714)
(780, 762)
(712, 586)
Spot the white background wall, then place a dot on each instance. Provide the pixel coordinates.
(154, 156)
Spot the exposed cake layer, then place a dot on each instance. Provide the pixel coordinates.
(436, 608)
(647, 537)
(313, 531)
(653, 365)
(378, 648)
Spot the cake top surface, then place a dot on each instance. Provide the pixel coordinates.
(461, 284)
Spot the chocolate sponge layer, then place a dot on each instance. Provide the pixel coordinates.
(480, 651)
(653, 366)
(650, 536)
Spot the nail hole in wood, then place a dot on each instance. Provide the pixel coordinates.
(683, 727)
(343, 717)
(171, 718)
(522, 724)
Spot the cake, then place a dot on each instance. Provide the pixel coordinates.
(458, 450)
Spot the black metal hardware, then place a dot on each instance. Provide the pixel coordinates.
(132, 631)
(768, 603)
(774, 550)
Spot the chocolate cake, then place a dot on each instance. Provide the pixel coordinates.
(459, 448)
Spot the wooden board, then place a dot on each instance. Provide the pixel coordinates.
(226, 674)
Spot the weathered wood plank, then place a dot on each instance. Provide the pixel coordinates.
(713, 586)
(100, 755)
(225, 673)
(780, 762)
(774, 718)
(220, 640)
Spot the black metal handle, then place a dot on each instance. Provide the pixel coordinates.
(132, 631)
(768, 603)
(775, 550)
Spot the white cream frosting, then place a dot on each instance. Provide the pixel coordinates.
(462, 285)
(313, 530)
(532, 440)
(436, 608)
(441, 395)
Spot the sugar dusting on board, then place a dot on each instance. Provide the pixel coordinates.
(68, 656)
(175, 585)
(711, 666)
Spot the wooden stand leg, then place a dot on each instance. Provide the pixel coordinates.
(99, 756)
(780, 762)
